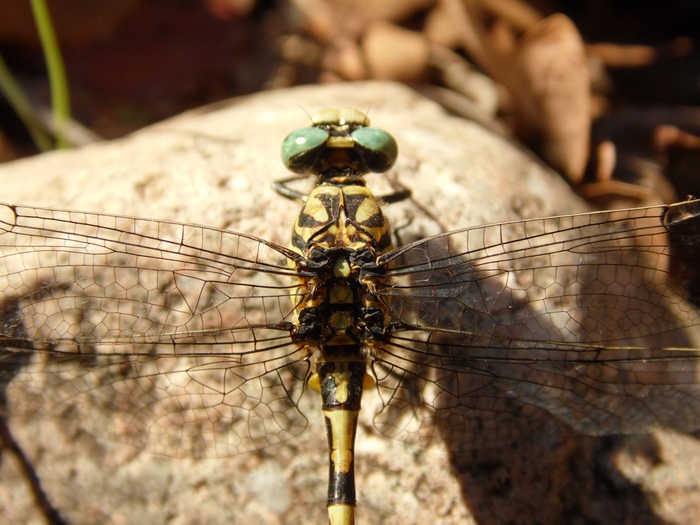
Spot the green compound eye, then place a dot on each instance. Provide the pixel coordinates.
(379, 149)
(298, 148)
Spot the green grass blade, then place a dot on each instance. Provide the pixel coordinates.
(60, 99)
(20, 103)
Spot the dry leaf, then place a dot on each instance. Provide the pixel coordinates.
(394, 53)
(551, 84)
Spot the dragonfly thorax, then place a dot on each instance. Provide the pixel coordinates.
(340, 231)
(338, 307)
(341, 216)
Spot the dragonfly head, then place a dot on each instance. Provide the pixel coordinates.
(339, 139)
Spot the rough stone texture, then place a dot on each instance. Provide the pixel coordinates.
(214, 166)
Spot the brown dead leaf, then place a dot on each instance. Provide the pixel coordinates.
(546, 73)
(447, 25)
(394, 53)
(679, 153)
(608, 192)
(387, 10)
(463, 79)
(347, 61)
(615, 55)
(517, 13)
(549, 80)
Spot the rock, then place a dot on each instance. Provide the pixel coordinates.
(214, 166)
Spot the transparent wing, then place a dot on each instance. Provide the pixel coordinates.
(169, 336)
(592, 318)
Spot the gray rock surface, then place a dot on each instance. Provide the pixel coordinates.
(214, 166)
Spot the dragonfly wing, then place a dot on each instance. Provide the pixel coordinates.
(591, 318)
(423, 402)
(183, 330)
(479, 396)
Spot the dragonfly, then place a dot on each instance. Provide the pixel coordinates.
(200, 342)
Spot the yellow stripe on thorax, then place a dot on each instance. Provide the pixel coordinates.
(347, 216)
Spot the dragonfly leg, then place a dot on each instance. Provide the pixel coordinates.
(282, 188)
